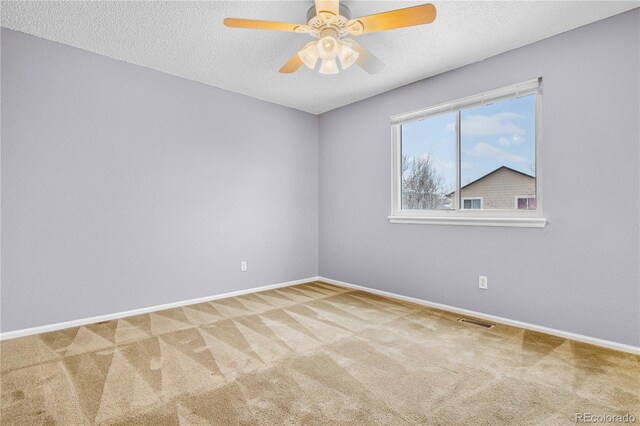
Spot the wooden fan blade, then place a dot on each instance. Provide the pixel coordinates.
(331, 6)
(260, 25)
(366, 60)
(399, 18)
(292, 66)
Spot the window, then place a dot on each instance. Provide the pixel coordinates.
(470, 161)
(472, 203)
(428, 156)
(526, 203)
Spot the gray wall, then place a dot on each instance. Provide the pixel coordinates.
(581, 272)
(123, 187)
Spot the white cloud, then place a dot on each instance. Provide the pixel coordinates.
(492, 125)
(511, 141)
(442, 165)
(485, 150)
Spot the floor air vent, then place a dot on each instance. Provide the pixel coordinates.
(477, 322)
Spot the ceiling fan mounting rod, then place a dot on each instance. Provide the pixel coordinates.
(344, 11)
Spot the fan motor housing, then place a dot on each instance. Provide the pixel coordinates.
(344, 11)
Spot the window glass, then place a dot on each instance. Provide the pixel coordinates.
(472, 203)
(429, 162)
(526, 203)
(498, 153)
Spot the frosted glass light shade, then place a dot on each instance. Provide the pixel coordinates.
(347, 56)
(309, 55)
(329, 66)
(328, 47)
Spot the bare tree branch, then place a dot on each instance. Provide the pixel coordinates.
(422, 186)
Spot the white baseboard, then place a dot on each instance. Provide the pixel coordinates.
(565, 334)
(84, 321)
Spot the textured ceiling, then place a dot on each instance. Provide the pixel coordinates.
(188, 39)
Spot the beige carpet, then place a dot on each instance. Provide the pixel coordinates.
(309, 354)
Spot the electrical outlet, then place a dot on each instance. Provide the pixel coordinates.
(482, 282)
(243, 266)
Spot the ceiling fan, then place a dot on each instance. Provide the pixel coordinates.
(330, 22)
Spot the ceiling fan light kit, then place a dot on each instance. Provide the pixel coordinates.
(329, 22)
(328, 49)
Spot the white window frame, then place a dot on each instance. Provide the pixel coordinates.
(517, 197)
(471, 198)
(460, 216)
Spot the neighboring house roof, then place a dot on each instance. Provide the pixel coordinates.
(490, 173)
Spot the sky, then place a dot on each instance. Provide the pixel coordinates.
(500, 134)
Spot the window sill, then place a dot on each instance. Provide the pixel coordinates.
(513, 222)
